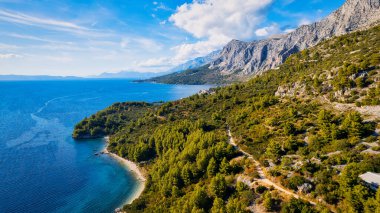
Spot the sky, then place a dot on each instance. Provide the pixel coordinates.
(88, 37)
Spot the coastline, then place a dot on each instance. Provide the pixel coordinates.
(132, 167)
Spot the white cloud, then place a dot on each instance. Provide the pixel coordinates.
(35, 38)
(141, 43)
(8, 46)
(31, 20)
(46, 23)
(148, 44)
(216, 22)
(156, 62)
(124, 43)
(267, 31)
(304, 21)
(64, 59)
(9, 55)
(232, 18)
(188, 51)
(161, 6)
(289, 30)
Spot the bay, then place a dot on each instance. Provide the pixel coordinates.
(42, 169)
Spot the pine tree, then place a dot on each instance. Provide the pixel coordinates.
(212, 168)
(225, 167)
(218, 186)
(218, 206)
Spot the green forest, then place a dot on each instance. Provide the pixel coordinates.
(110, 120)
(196, 76)
(302, 123)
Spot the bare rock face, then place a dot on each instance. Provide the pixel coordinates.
(241, 59)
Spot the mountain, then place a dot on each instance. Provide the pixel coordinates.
(36, 77)
(253, 57)
(293, 139)
(119, 75)
(129, 75)
(239, 60)
(197, 62)
(192, 72)
(196, 76)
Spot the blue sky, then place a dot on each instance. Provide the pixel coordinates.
(87, 37)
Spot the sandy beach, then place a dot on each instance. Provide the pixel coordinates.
(130, 166)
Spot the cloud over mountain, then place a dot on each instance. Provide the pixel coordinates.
(216, 22)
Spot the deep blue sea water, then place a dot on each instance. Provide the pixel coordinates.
(42, 169)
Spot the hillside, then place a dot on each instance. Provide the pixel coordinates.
(110, 120)
(195, 76)
(239, 60)
(127, 75)
(299, 131)
(196, 62)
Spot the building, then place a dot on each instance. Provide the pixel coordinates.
(371, 179)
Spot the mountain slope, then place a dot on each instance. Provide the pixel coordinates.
(195, 71)
(239, 60)
(195, 76)
(259, 56)
(128, 75)
(285, 118)
(196, 63)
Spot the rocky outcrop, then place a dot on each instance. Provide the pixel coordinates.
(239, 59)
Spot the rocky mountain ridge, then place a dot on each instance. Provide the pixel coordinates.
(239, 59)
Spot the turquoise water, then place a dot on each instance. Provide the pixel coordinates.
(41, 168)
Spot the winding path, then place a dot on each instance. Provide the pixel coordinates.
(263, 178)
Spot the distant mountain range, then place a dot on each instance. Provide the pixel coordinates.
(36, 77)
(128, 75)
(240, 60)
(119, 75)
(191, 64)
(195, 63)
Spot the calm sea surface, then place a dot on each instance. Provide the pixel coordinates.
(42, 169)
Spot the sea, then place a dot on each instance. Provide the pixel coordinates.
(42, 169)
